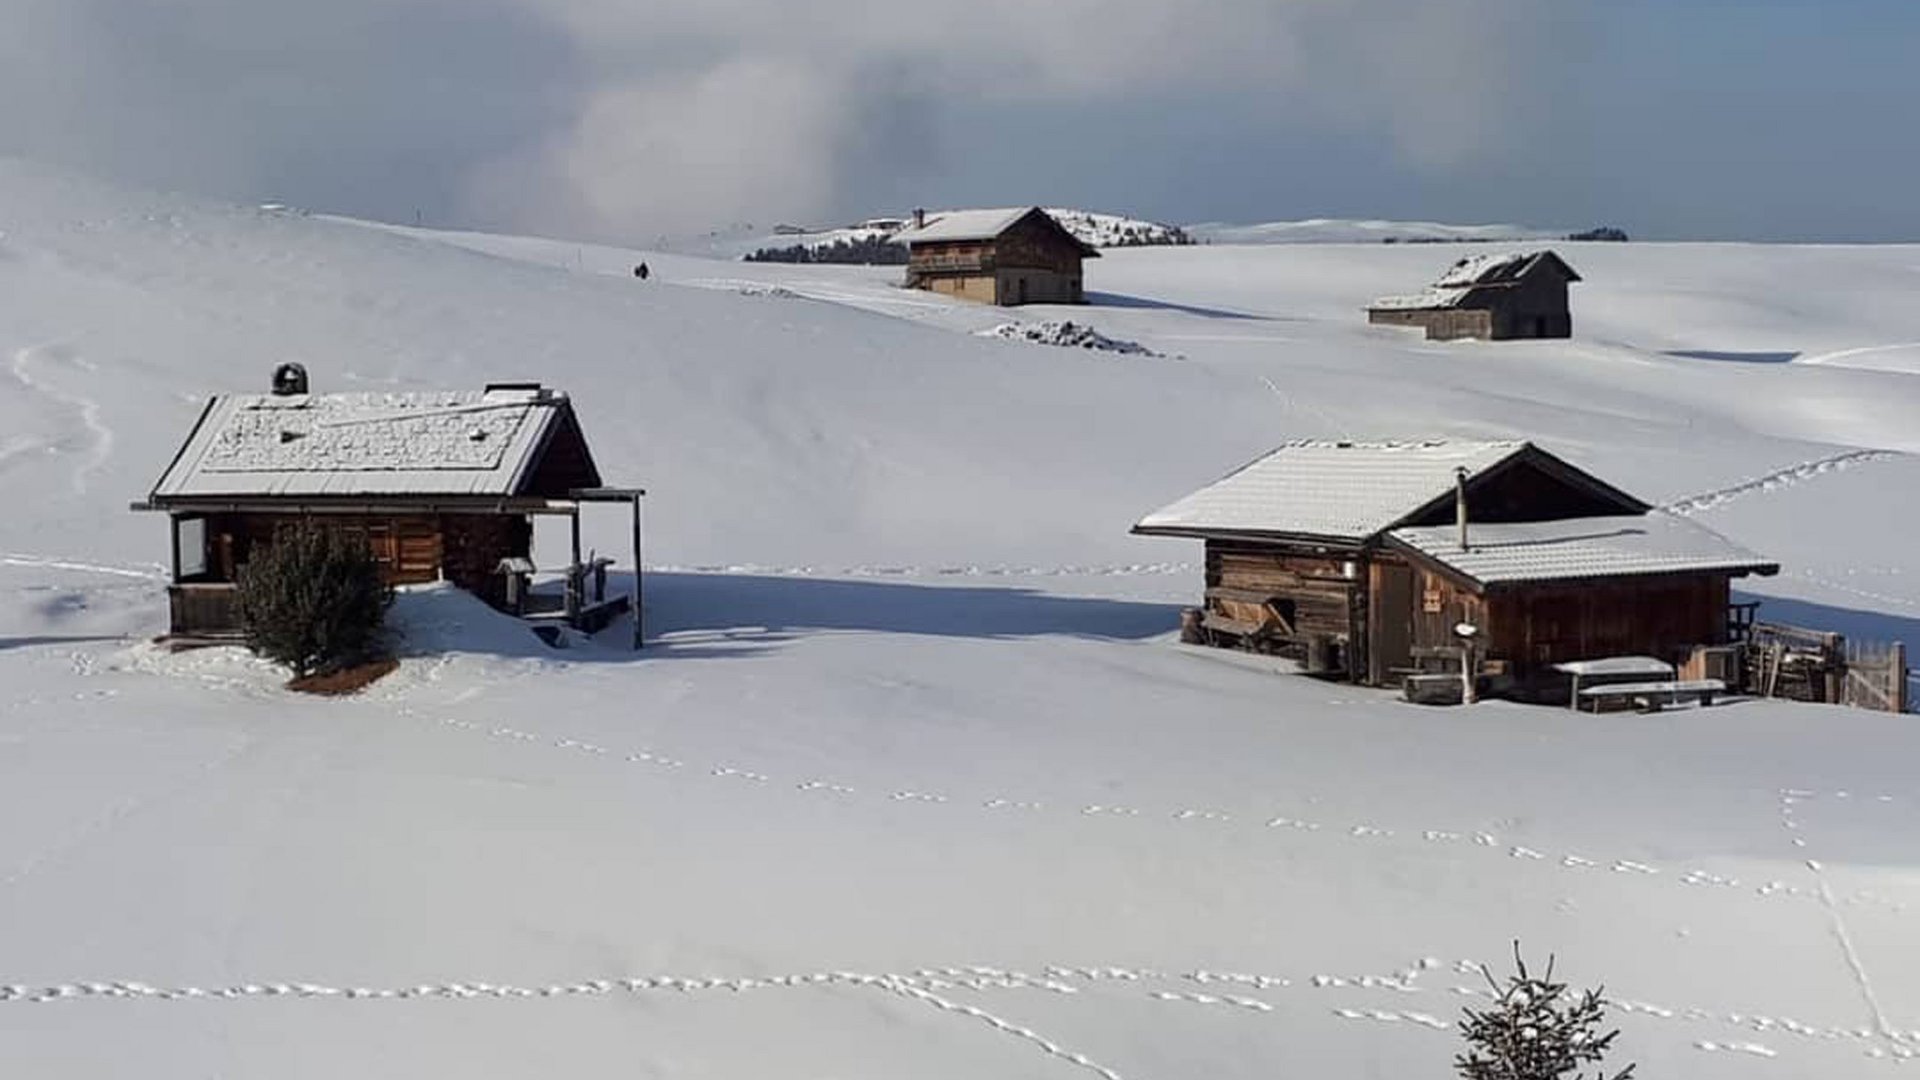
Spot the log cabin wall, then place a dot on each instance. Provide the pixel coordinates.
(1664, 617)
(1534, 307)
(1325, 600)
(474, 544)
(407, 547)
(1438, 605)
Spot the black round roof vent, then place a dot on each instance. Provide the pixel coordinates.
(289, 379)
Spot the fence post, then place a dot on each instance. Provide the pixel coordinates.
(1897, 675)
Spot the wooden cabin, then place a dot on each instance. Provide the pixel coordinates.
(1490, 297)
(442, 485)
(1363, 560)
(1006, 257)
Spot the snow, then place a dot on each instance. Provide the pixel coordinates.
(465, 441)
(1334, 489)
(1656, 543)
(1347, 231)
(913, 779)
(1066, 334)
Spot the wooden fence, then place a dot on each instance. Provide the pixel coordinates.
(1810, 665)
(1876, 677)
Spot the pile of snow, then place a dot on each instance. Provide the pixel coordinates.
(1344, 231)
(1067, 335)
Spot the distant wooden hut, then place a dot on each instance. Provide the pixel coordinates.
(441, 485)
(1490, 297)
(1007, 257)
(1364, 559)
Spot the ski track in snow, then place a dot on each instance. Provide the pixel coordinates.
(1357, 833)
(1782, 478)
(99, 437)
(46, 562)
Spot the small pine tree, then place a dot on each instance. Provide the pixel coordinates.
(1535, 1030)
(313, 600)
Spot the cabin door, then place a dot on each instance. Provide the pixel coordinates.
(1392, 630)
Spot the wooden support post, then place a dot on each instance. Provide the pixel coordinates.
(1897, 675)
(638, 610)
(573, 571)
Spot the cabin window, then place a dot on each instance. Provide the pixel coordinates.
(190, 537)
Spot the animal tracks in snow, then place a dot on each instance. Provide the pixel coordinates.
(935, 986)
(1565, 862)
(1787, 477)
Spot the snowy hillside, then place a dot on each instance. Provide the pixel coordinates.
(1348, 231)
(912, 779)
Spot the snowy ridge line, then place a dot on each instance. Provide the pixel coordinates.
(48, 562)
(1358, 833)
(1787, 477)
(1096, 570)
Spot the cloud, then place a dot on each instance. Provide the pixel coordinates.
(630, 118)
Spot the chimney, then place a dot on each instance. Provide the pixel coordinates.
(1460, 504)
(289, 380)
(919, 218)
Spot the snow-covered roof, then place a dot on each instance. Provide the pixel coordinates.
(454, 442)
(950, 226)
(1474, 272)
(1339, 490)
(1582, 548)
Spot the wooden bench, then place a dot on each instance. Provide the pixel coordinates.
(1653, 696)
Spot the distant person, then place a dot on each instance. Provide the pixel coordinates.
(642, 272)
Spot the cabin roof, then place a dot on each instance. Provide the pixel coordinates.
(957, 226)
(1335, 490)
(392, 444)
(1580, 549)
(1467, 277)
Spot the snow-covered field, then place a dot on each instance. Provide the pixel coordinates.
(913, 780)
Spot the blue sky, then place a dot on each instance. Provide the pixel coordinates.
(624, 119)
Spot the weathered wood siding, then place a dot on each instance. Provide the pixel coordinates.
(409, 548)
(1536, 307)
(979, 288)
(1324, 601)
(1441, 324)
(1662, 617)
(202, 609)
(1030, 263)
(1440, 604)
(474, 544)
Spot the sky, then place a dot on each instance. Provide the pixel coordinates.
(626, 120)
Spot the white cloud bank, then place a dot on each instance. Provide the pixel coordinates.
(626, 118)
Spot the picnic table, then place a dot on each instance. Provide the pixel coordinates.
(1652, 696)
(1613, 669)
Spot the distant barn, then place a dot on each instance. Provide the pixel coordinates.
(1007, 257)
(441, 485)
(1363, 560)
(1490, 297)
